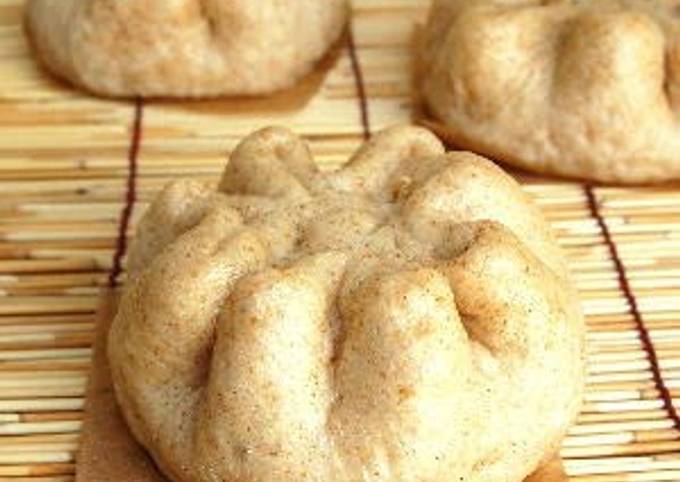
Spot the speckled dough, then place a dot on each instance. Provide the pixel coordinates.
(407, 318)
(183, 48)
(581, 88)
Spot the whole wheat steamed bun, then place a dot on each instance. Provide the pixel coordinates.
(183, 48)
(406, 318)
(580, 88)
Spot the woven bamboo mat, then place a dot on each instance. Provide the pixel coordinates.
(76, 172)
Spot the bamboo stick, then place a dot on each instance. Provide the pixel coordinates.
(47, 304)
(51, 329)
(56, 363)
(78, 416)
(26, 341)
(43, 404)
(35, 355)
(46, 379)
(40, 447)
(43, 392)
(36, 457)
(616, 426)
(652, 476)
(37, 439)
(622, 449)
(66, 280)
(47, 265)
(43, 478)
(22, 428)
(37, 470)
(45, 319)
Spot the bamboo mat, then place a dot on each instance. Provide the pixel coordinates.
(76, 172)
